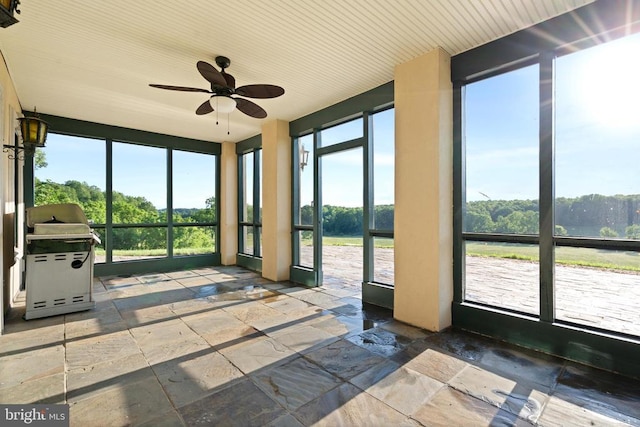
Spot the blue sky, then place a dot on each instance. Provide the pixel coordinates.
(597, 127)
(137, 170)
(597, 141)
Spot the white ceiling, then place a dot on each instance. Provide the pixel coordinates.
(93, 60)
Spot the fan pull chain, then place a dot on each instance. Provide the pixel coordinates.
(216, 111)
(227, 123)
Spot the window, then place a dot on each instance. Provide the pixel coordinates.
(502, 129)
(194, 203)
(341, 133)
(548, 192)
(303, 217)
(250, 212)
(597, 185)
(139, 196)
(148, 215)
(83, 184)
(383, 146)
(584, 248)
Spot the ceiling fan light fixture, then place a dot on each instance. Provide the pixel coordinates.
(222, 104)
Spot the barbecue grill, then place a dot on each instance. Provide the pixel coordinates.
(59, 269)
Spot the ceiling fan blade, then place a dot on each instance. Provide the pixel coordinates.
(250, 108)
(231, 81)
(210, 73)
(180, 88)
(260, 91)
(204, 108)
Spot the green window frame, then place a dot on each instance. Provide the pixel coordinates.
(249, 155)
(541, 45)
(135, 138)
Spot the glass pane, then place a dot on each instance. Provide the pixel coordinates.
(247, 187)
(341, 133)
(342, 253)
(503, 275)
(306, 172)
(383, 169)
(306, 248)
(597, 134)
(247, 240)
(139, 184)
(135, 243)
(194, 240)
(72, 170)
(598, 288)
(383, 266)
(194, 187)
(502, 134)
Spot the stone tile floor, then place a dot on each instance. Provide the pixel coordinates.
(222, 346)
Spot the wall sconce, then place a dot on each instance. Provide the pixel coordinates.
(7, 7)
(34, 135)
(304, 157)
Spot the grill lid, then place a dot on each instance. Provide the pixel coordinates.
(56, 214)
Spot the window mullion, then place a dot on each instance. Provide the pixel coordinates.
(547, 195)
(169, 213)
(256, 202)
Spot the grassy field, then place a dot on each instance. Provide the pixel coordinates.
(617, 260)
(379, 242)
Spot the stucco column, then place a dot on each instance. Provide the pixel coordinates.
(276, 200)
(423, 191)
(228, 204)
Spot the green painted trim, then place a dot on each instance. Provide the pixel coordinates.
(367, 200)
(372, 100)
(459, 193)
(108, 238)
(169, 203)
(546, 168)
(218, 184)
(157, 265)
(75, 127)
(378, 294)
(240, 198)
(257, 187)
(249, 144)
(303, 276)
(317, 209)
(606, 351)
(342, 146)
(250, 262)
(295, 200)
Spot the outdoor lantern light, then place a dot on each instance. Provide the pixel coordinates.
(222, 104)
(34, 135)
(7, 7)
(304, 157)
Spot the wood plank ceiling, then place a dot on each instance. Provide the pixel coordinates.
(93, 60)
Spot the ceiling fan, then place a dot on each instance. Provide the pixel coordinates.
(225, 96)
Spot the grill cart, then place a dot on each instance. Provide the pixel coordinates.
(60, 255)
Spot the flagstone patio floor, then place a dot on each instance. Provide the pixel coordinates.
(222, 346)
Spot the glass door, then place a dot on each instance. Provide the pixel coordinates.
(339, 251)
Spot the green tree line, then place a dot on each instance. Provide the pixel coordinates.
(590, 215)
(347, 221)
(132, 210)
